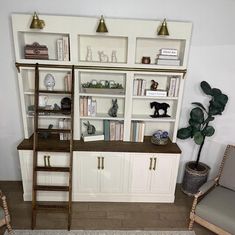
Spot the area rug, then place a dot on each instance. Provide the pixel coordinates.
(99, 232)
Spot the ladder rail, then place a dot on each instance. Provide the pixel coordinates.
(36, 168)
(35, 146)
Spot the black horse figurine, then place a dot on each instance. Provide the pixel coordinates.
(159, 106)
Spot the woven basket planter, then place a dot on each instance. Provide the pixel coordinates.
(194, 179)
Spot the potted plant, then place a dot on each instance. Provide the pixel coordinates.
(199, 128)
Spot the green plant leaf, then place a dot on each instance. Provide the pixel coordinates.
(200, 105)
(216, 92)
(198, 137)
(206, 88)
(184, 133)
(209, 131)
(197, 115)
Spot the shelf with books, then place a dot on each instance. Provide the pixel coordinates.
(153, 47)
(156, 85)
(102, 116)
(43, 46)
(103, 49)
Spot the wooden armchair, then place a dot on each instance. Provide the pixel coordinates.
(214, 205)
(4, 213)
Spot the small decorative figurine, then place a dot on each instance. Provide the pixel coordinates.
(113, 110)
(146, 60)
(49, 82)
(66, 105)
(89, 54)
(159, 107)
(103, 57)
(46, 134)
(154, 85)
(89, 128)
(114, 56)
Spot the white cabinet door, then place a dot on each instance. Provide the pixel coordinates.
(140, 172)
(88, 172)
(112, 173)
(163, 174)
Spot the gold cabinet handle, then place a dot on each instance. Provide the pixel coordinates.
(98, 163)
(102, 166)
(150, 165)
(45, 161)
(155, 163)
(48, 161)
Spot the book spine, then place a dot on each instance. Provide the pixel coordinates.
(122, 131)
(171, 90)
(61, 126)
(112, 130)
(143, 87)
(117, 130)
(93, 108)
(135, 87)
(89, 107)
(81, 102)
(85, 108)
(106, 125)
(177, 87)
(60, 49)
(65, 48)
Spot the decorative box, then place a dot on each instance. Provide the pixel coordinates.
(36, 51)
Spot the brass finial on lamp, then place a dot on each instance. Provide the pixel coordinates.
(102, 26)
(163, 31)
(36, 22)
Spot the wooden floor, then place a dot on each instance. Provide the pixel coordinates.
(104, 216)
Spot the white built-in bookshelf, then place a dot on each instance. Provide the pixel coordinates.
(113, 57)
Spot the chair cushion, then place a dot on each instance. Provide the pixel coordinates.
(228, 173)
(218, 208)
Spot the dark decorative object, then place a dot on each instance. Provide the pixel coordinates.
(66, 105)
(146, 60)
(154, 85)
(45, 135)
(56, 107)
(159, 106)
(196, 172)
(90, 128)
(113, 110)
(160, 137)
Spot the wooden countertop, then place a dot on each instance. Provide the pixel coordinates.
(55, 145)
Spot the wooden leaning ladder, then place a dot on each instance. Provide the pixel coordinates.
(36, 206)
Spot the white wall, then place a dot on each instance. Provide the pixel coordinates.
(211, 59)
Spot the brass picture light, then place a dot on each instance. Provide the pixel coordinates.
(102, 26)
(36, 22)
(163, 31)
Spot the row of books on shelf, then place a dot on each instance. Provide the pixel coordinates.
(64, 124)
(112, 131)
(63, 49)
(168, 56)
(88, 106)
(173, 87)
(137, 131)
(139, 89)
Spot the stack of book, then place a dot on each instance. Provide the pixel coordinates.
(139, 86)
(87, 106)
(93, 137)
(64, 124)
(68, 82)
(173, 86)
(168, 56)
(113, 130)
(157, 93)
(36, 51)
(137, 131)
(63, 49)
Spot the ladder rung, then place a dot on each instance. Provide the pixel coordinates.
(51, 188)
(55, 92)
(40, 130)
(51, 207)
(55, 169)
